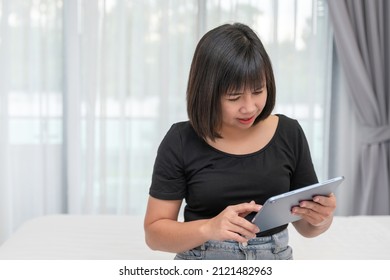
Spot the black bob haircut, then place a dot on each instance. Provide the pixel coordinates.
(227, 58)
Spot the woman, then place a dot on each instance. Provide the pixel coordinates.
(229, 158)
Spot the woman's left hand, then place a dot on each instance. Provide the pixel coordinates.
(317, 212)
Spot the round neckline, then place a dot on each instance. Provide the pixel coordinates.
(252, 153)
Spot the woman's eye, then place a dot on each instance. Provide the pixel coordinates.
(233, 97)
(258, 92)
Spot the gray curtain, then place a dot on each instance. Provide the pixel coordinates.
(362, 39)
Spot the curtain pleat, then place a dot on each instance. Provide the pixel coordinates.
(361, 35)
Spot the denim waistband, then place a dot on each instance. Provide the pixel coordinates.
(265, 242)
(274, 247)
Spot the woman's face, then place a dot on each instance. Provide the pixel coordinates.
(241, 108)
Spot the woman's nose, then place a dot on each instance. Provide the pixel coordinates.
(248, 105)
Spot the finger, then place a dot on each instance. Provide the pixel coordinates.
(301, 211)
(242, 231)
(317, 208)
(244, 214)
(236, 237)
(305, 214)
(246, 225)
(329, 201)
(246, 207)
(310, 205)
(309, 215)
(311, 209)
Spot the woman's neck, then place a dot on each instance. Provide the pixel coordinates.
(247, 141)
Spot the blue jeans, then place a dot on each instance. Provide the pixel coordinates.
(274, 247)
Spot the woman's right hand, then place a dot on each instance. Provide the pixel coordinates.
(231, 224)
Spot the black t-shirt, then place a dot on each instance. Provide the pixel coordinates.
(210, 180)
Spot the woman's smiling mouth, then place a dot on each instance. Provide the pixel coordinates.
(247, 121)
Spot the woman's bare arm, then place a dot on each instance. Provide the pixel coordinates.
(163, 232)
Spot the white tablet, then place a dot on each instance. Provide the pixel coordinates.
(276, 211)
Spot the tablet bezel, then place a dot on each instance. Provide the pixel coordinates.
(276, 211)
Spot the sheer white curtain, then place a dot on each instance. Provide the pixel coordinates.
(126, 69)
(89, 88)
(30, 111)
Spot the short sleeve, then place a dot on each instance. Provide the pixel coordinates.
(168, 179)
(304, 173)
